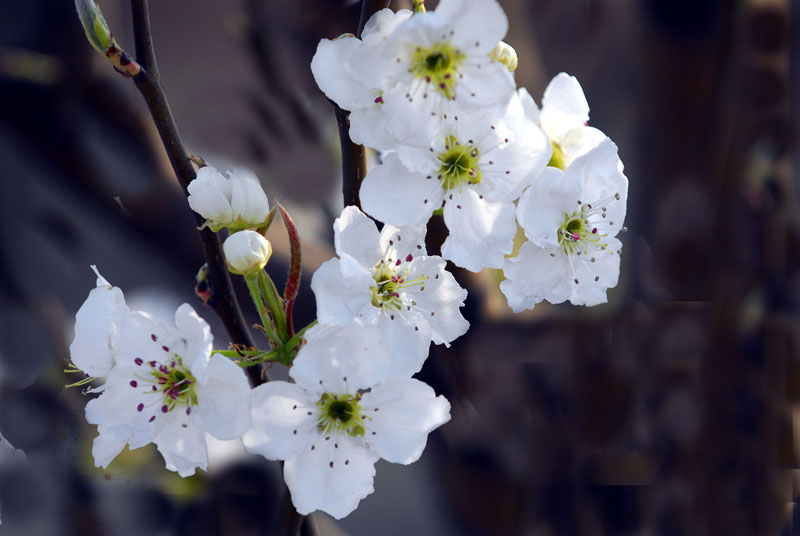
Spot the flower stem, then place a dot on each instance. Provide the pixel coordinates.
(149, 85)
(270, 294)
(267, 321)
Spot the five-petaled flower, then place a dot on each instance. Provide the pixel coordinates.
(339, 417)
(571, 220)
(162, 383)
(387, 279)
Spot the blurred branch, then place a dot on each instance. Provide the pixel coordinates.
(148, 83)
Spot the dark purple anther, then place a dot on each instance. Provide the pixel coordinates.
(138, 361)
(152, 418)
(153, 336)
(188, 411)
(133, 383)
(409, 258)
(140, 407)
(164, 408)
(165, 348)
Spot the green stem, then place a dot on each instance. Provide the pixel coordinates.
(263, 313)
(270, 293)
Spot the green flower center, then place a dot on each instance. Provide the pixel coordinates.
(391, 278)
(438, 65)
(576, 234)
(557, 160)
(169, 379)
(340, 413)
(459, 164)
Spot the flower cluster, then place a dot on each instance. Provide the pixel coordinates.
(434, 92)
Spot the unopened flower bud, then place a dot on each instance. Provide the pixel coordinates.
(247, 252)
(236, 201)
(505, 54)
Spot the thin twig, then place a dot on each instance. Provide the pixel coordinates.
(148, 83)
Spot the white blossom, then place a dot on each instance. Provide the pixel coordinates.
(337, 419)
(162, 386)
(477, 168)
(409, 71)
(571, 219)
(237, 200)
(387, 279)
(246, 252)
(564, 117)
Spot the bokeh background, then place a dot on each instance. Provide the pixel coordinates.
(670, 411)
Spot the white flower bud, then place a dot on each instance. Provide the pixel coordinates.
(236, 201)
(505, 54)
(247, 252)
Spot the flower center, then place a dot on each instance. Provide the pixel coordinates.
(390, 281)
(459, 164)
(438, 65)
(557, 160)
(576, 234)
(340, 413)
(171, 380)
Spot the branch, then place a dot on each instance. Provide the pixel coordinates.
(354, 161)
(148, 83)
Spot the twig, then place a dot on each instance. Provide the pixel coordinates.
(149, 85)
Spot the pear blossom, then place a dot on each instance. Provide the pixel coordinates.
(386, 278)
(410, 70)
(477, 168)
(246, 251)
(571, 219)
(339, 418)
(237, 201)
(564, 117)
(162, 385)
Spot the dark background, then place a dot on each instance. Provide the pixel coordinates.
(670, 411)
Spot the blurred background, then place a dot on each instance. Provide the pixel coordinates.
(672, 410)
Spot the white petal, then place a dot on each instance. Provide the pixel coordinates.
(223, 407)
(183, 448)
(331, 67)
(330, 479)
(400, 242)
(341, 359)
(481, 233)
(342, 289)
(393, 194)
(281, 426)
(246, 252)
(490, 85)
(107, 445)
(515, 166)
(543, 206)
(382, 23)
(210, 194)
(407, 411)
(594, 278)
(142, 336)
(199, 341)
(408, 338)
(441, 295)
(535, 275)
(603, 181)
(356, 235)
(96, 325)
(369, 127)
(478, 24)
(564, 106)
(579, 141)
(248, 200)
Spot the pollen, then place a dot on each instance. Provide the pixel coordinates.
(340, 413)
(438, 65)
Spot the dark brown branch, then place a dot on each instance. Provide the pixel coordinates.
(148, 83)
(354, 161)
